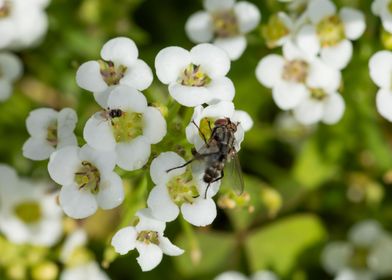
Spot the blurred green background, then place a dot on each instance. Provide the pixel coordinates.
(306, 186)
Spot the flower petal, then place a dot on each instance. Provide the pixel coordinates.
(63, 165)
(366, 233)
(354, 22)
(77, 203)
(133, 155)
(154, 125)
(170, 63)
(37, 149)
(11, 66)
(161, 205)
(124, 240)
(319, 9)
(39, 120)
(89, 77)
(244, 119)
(168, 248)
(233, 46)
(248, 16)
(221, 89)
(201, 212)
(148, 222)
(189, 96)
(338, 56)
(287, 95)
(218, 5)
(336, 256)
(98, 133)
(111, 191)
(232, 275)
(5, 90)
(150, 255)
(384, 103)
(333, 109)
(307, 40)
(269, 70)
(101, 97)
(138, 76)
(199, 27)
(160, 165)
(104, 161)
(120, 50)
(127, 99)
(321, 75)
(309, 111)
(212, 59)
(66, 123)
(380, 65)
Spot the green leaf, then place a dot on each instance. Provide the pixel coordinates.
(278, 246)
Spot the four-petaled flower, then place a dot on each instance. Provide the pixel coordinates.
(10, 70)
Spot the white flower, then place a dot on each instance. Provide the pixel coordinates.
(87, 180)
(147, 237)
(330, 32)
(225, 23)
(11, 69)
(383, 9)
(259, 275)
(23, 23)
(180, 189)
(279, 29)
(88, 271)
(380, 66)
(119, 66)
(49, 130)
(28, 213)
(290, 76)
(365, 257)
(204, 118)
(75, 240)
(129, 136)
(197, 76)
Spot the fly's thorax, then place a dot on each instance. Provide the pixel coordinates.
(128, 126)
(111, 73)
(148, 237)
(193, 75)
(330, 31)
(5, 9)
(28, 211)
(225, 24)
(88, 177)
(295, 71)
(182, 188)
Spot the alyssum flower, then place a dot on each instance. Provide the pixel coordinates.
(197, 76)
(330, 32)
(225, 23)
(180, 189)
(119, 66)
(87, 180)
(10, 70)
(130, 134)
(50, 130)
(29, 213)
(383, 9)
(147, 237)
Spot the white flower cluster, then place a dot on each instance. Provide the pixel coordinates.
(383, 9)
(259, 275)
(306, 78)
(366, 256)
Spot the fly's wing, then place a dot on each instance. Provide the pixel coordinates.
(233, 172)
(203, 157)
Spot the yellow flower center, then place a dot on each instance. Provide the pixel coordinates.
(318, 93)
(127, 127)
(5, 9)
(194, 76)
(148, 237)
(29, 212)
(330, 31)
(51, 136)
(359, 258)
(225, 24)
(206, 126)
(88, 177)
(111, 73)
(182, 189)
(274, 30)
(295, 71)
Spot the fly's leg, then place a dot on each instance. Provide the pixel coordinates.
(201, 132)
(180, 166)
(213, 181)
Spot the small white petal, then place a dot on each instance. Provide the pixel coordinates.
(333, 109)
(63, 165)
(189, 96)
(384, 103)
(39, 120)
(124, 240)
(111, 191)
(104, 161)
(98, 133)
(248, 16)
(168, 248)
(212, 59)
(291, 51)
(170, 63)
(231, 275)
(321, 75)
(150, 255)
(199, 27)
(244, 119)
(380, 65)
(218, 5)
(379, 257)
(101, 97)
(233, 46)
(377, 6)
(307, 40)
(386, 18)
(264, 275)
(11, 66)
(338, 56)
(89, 77)
(366, 233)
(161, 205)
(120, 50)
(66, 123)
(148, 222)
(269, 70)
(218, 110)
(127, 99)
(133, 155)
(320, 9)
(354, 22)
(221, 89)
(201, 212)
(336, 256)
(288, 95)
(309, 111)
(37, 149)
(5, 89)
(77, 203)
(138, 76)
(154, 128)
(162, 163)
